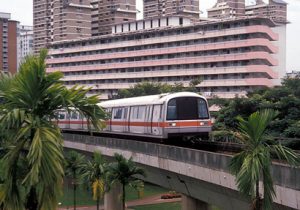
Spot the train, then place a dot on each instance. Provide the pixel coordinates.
(162, 116)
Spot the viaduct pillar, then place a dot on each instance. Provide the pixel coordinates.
(188, 203)
(113, 198)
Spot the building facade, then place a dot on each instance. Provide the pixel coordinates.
(42, 24)
(8, 44)
(274, 9)
(160, 8)
(106, 13)
(56, 20)
(232, 57)
(25, 41)
(227, 9)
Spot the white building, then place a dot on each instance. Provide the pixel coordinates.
(25, 41)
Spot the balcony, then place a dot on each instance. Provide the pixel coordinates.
(169, 50)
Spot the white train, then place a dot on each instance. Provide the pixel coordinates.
(159, 116)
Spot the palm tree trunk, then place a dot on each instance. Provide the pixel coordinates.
(32, 202)
(257, 198)
(98, 202)
(123, 196)
(74, 195)
(74, 190)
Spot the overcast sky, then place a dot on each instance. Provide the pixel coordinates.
(21, 10)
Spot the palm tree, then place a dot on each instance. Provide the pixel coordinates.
(29, 102)
(254, 162)
(94, 173)
(74, 165)
(125, 172)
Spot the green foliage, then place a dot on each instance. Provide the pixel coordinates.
(33, 143)
(254, 162)
(285, 99)
(94, 173)
(74, 165)
(124, 171)
(146, 88)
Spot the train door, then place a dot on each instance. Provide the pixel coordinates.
(156, 120)
(137, 119)
(108, 122)
(148, 126)
(126, 119)
(117, 118)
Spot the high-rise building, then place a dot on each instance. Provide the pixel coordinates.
(232, 56)
(106, 13)
(160, 8)
(274, 9)
(57, 20)
(25, 41)
(227, 8)
(42, 13)
(8, 44)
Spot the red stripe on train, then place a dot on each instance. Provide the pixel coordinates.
(147, 124)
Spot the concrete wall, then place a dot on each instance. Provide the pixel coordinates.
(281, 55)
(199, 174)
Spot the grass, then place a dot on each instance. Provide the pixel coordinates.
(84, 196)
(161, 206)
(149, 190)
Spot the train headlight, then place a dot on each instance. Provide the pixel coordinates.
(173, 124)
(201, 123)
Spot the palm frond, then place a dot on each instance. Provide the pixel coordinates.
(254, 162)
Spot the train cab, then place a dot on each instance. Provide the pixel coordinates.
(159, 116)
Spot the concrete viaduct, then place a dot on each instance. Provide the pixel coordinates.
(202, 177)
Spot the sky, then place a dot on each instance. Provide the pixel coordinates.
(21, 10)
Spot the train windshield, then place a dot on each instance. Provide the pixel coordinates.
(187, 108)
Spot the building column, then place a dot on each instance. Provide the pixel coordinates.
(188, 203)
(113, 198)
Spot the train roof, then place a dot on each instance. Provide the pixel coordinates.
(146, 100)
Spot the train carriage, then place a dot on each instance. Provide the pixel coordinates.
(159, 116)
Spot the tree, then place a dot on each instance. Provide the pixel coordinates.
(74, 163)
(94, 173)
(125, 172)
(254, 162)
(148, 88)
(30, 101)
(285, 99)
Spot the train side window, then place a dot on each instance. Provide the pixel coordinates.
(125, 113)
(134, 112)
(117, 113)
(172, 110)
(202, 109)
(61, 116)
(74, 115)
(141, 112)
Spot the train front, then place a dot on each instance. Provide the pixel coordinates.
(187, 115)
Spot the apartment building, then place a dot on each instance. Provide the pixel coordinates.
(56, 20)
(42, 26)
(233, 56)
(227, 9)
(106, 13)
(160, 8)
(274, 9)
(8, 44)
(25, 41)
